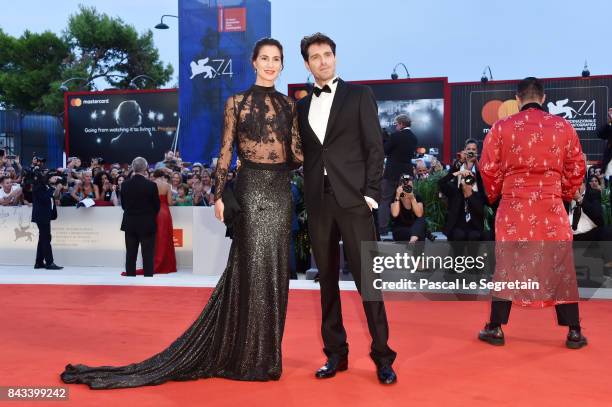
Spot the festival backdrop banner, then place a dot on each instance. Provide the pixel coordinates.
(215, 43)
(582, 101)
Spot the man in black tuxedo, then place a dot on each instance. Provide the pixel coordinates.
(343, 165)
(399, 150)
(140, 203)
(43, 212)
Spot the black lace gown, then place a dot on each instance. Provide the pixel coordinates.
(238, 334)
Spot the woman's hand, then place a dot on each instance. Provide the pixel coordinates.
(219, 207)
(398, 192)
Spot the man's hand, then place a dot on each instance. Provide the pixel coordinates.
(578, 195)
(463, 173)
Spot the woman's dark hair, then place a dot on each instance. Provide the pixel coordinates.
(267, 41)
(158, 173)
(316, 38)
(98, 179)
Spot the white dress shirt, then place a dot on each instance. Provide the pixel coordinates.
(320, 107)
(318, 117)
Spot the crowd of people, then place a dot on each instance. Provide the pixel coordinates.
(192, 184)
(400, 217)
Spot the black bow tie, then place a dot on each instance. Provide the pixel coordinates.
(317, 91)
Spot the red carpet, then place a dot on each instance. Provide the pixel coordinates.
(440, 362)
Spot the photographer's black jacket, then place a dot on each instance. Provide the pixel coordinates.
(43, 206)
(476, 202)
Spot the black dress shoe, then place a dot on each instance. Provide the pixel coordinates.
(39, 266)
(386, 375)
(493, 336)
(331, 367)
(53, 266)
(575, 339)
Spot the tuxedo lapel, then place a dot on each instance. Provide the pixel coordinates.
(308, 129)
(339, 96)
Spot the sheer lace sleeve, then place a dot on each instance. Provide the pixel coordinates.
(296, 142)
(227, 145)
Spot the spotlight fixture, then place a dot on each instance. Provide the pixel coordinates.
(394, 74)
(484, 79)
(585, 71)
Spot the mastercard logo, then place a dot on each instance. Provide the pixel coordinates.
(495, 109)
(76, 102)
(299, 94)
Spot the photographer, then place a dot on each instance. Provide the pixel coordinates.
(587, 218)
(466, 199)
(44, 211)
(408, 222)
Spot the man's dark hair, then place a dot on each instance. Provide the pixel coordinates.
(2, 178)
(530, 88)
(316, 38)
(267, 41)
(470, 141)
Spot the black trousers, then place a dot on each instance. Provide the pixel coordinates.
(354, 225)
(403, 233)
(567, 314)
(147, 244)
(44, 253)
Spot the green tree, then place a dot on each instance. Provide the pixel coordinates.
(28, 67)
(95, 47)
(107, 48)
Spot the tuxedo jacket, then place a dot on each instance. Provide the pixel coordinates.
(351, 152)
(399, 150)
(140, 203)
(43, 210)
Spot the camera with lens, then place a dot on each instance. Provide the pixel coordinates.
(469, 179)
(61, 178)
(405, 180)
(471, 154)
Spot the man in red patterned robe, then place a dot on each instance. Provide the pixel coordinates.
(532, 161)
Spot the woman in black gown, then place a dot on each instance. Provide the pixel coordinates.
(238, 334)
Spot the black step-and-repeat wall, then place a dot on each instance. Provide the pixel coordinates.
(425, 100)
(445, 115)
(121, 125)
(582, 101)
